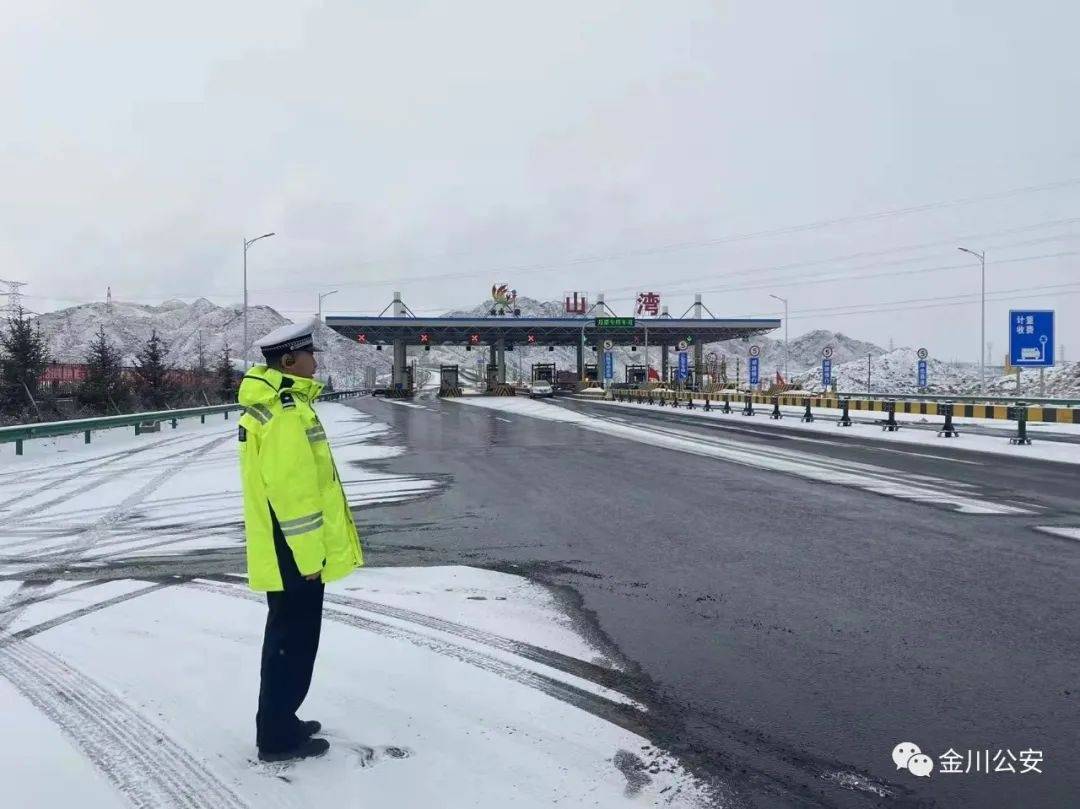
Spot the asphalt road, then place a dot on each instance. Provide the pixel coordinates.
(787, 632)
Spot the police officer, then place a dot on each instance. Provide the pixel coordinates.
(300, 532)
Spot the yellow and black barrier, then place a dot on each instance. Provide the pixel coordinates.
(714, 401)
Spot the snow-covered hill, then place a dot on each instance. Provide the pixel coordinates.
(530, 307)
(183, 326)
(892, 372)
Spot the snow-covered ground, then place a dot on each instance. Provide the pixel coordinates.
(125, 682)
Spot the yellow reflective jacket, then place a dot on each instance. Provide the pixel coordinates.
(285, 464)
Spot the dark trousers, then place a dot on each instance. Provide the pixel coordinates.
(290, 644)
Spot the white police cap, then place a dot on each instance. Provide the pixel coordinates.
(290, 337)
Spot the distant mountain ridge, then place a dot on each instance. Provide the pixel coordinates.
(182, 326)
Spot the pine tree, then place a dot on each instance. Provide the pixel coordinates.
(329, 388)
(152, 373)
(200, 370)
(24, 355)
(225, 376)
(104, 387)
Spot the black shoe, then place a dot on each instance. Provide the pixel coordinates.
(310, 727)
(310, 748)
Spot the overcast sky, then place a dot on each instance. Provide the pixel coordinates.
(734, 148)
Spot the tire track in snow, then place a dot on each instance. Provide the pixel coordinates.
(148, 767)
(600, 675)
(97, 481)
(97, 462)
(86, 538)
(629, 717)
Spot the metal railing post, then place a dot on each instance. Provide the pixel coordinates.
(1021, 436)
(845, 416)
(776, 414)
(807, 415)
(727, 403)
(748, 410)
(948, 430)
(890, 423)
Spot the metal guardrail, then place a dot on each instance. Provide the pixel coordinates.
(884, 397)
(920, 397)
(745, 402)
(926, 406)
(51, 429)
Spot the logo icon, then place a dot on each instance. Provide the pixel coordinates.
(908, 756)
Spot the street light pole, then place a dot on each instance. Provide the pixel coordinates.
(982, 318)
(318, 310)
(786, 352)
(247, 244)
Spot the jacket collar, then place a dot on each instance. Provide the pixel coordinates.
(307, 388)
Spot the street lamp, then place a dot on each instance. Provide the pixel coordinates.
(318, 309)
(247, 244)
(784, 301)
(982, 312)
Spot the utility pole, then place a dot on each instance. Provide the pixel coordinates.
(982, 317)
(247, 244)
(786, 354)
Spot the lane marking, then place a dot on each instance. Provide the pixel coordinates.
(1060, 531)
(749, 429)
(404, 404)
(500, 418)
(867, 477)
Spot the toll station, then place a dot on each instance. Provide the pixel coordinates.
(397, 329)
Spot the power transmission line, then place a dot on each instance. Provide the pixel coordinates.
(928, 303)
(678, 246)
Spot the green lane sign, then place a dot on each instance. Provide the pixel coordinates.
(615, 322)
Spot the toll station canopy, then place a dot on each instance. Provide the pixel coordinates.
(545, 331)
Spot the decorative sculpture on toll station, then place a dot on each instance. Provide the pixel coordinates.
(504, 301)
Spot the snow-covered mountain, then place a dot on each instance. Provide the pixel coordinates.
(183, 326)
(530, 307)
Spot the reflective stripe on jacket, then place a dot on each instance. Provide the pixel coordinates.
(285, 464)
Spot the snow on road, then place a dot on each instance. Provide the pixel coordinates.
(124, 685)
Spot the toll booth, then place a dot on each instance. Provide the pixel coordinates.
(403, 389)
(636, 374)
(543, 371)
(491, 376)
(449, 384)
(591, 374)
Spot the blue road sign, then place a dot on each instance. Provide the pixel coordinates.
(609, 365)
(755, 370)
(684, 366)
(922, 373)
(826, 373)
(1031, 338)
